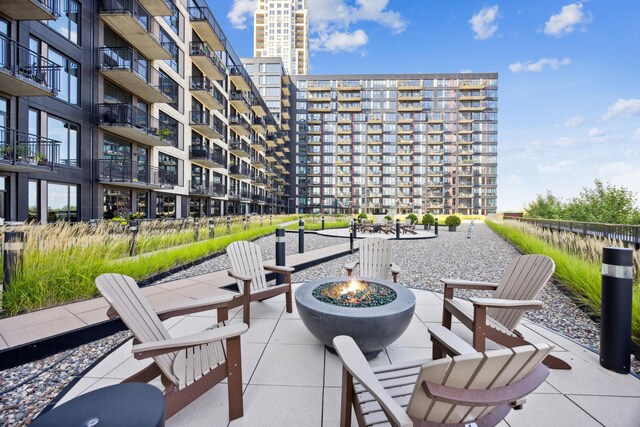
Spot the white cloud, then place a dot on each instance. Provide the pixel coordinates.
(565, 142)
(483, 23)
(614, 169)
(536, 67)
(623, 108)
(573, 122)
(340, 41)
(636, 135)
(240, 9)
(595, 133)
(560, 166)
(565, 22)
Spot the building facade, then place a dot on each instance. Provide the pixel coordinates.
(112, 107)
(281, 29)
(396, 143)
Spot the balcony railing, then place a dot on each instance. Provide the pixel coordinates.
(239, 147)
(207, 155)
(212, 99)
(23, 149)
(211, 64)
(204, 188)
(129, 172)
(206, 26)
(30, 10)
(239, 170)
(42, 76)
(133, 123)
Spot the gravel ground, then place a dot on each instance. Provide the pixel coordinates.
(27, 389)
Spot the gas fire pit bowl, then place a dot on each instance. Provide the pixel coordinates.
(373, 312)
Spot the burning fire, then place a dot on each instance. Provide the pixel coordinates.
(353, 293)
(353, 287)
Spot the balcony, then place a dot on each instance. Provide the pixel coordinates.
(272, 126)
(132, 123)
(128, 69)
(204, 91)
(30, 10)
(239, 125)
(239, 171)
(410, 96)
(206, 189)
(158, 7)
(239, 148)
(417, 106)
(258, 162)
(316, 87)
(207, 157)
(24, 72)
(136, 26)
(257, 144)
(319, 108)
(240, 102)
(353, 107)
(409, 85)
(258, 108)
(206, 26)
(240, 78)
(256, 198)
(319, 97)
(20, 151)
(346, 87)
(127, 173)
(206, 124)
(271, 140)
(259, 125)
(207, 61)
(258, 180)
(472, 85)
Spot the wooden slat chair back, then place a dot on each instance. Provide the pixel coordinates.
(477, 371)
(375, 257)
(523, 279)
(125, 297)
(246, 259)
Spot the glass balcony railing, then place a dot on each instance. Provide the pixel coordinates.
(21, 148)
(21, 63)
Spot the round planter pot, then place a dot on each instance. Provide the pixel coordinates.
(452, 228)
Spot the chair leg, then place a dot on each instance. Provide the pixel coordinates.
(446, 318)
(288, 295)
(234, 374)
(347, 399)
(246, 311)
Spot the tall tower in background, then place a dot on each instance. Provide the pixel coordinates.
(281, 28)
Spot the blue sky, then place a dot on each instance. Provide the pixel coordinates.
(569, 75)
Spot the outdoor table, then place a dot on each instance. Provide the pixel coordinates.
(122, 405)
(377, 228)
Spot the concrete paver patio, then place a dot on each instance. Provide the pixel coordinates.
(291, 379)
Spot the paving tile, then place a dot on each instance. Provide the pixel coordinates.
(260, 330)
(431, 313)
(251, 355)
(191, 325)
(290, 364)
(210, 410)
(331, 408)
(164, 298)
(406, 354)
(22, 335)
(89, 305)
(177, 284)
(549, 410)
(35, 318)
(93, 316)
(217, 279)
(128, 367)
(425, 297)
(292, 331)
(611, 411)
(279, 406)
(3, 343)
(112, 361)
(416, 335)
(201, 290)
(78, 388)
(147, 291)
(262, 310)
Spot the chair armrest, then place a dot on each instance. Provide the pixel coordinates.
(150, 349)
(193, 306)
(238, 276)
(350, 267)
(395, 269)
(278, 268)
(468, 284)
(453, 344)
(506, 303)
(353, 361)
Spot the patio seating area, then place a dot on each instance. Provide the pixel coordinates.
(417, 233)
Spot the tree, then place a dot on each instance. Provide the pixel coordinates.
(547, 207)
(605, 203)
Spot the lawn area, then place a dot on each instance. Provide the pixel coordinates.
(577, 263)
(61, 260)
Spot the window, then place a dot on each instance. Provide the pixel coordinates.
(33, 201)
(67, 24)
(62, 202)
(175, 20)
(68, 90)
(67, 134)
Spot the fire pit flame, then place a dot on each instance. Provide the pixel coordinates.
(353, 287)
(354, 294)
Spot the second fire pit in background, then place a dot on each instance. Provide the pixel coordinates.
(373, 312)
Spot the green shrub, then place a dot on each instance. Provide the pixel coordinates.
(362, 216)
(452, 221)
(413, 218)
(428, 219)
(388, 218)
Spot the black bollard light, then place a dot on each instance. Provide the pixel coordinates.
(270, 219)
(398, 228)
(323, 222)
(133, 228)
(228, 225)
(301, 236)
(436, 227)
(196, 223)
(351, 236)
(615, 317)
(469, 231)
(280, 253)
(355, 228)
(12, 255)
(212, 230)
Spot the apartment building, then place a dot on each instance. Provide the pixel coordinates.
(109, 107)
(281, 29)
(396, 143)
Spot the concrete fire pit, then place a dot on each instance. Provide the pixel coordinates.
(371, 327)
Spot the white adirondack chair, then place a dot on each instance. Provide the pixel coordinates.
(249, 271)
(496, 318)
(188, 366)
(375, 259)
(470, 388)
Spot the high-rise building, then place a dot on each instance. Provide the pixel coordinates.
(281, 29)
(112, 107)
(396, 143)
